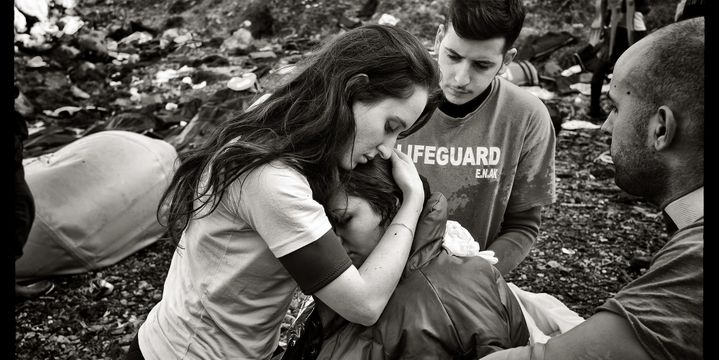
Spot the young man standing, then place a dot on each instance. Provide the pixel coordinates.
(489, 147)
(657, 128)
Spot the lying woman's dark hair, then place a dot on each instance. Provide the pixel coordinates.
(373, 181)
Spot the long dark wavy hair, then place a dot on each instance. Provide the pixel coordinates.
(307, 122)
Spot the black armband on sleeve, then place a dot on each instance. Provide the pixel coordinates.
(315, 265)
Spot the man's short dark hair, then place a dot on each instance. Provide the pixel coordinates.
(487, 19)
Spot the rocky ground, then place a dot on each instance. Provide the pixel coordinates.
(174, 69)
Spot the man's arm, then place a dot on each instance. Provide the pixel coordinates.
(517, 235)
(605, 335)
(533, 186)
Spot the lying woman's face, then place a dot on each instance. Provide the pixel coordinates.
(357, 225)
(379, 124)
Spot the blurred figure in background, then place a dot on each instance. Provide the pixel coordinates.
(687, 9)
(621, 24)
(24, 202)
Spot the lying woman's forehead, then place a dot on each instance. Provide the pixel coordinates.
(343, 203)
(338, 200)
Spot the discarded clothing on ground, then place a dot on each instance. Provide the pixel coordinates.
(522, 73)
(96, 201)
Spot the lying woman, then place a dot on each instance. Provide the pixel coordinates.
(443, 307)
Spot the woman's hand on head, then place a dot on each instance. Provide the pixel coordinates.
(405, 174)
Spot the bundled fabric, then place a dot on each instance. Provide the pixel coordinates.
(96, 201)
(522, 73)
(536, 48)
(545, 315)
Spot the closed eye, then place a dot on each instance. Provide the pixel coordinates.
(394, 124)
(342, 221)
(482, 65)
(339, 218)
(612, 104)
(453, 55)
(335, 218)
(612, 108)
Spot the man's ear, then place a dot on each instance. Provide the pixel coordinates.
(507, 59)
(663, 128)
(438, 38)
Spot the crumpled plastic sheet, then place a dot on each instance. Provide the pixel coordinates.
(459, 242)
(579, 124)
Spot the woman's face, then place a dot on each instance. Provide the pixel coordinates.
(357, 225)
(379, 124)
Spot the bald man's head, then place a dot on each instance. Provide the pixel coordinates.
(667, 68)
(657, 125)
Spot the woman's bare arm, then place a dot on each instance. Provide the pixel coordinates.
(360, 295)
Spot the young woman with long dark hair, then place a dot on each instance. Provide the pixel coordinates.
(245, 208)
